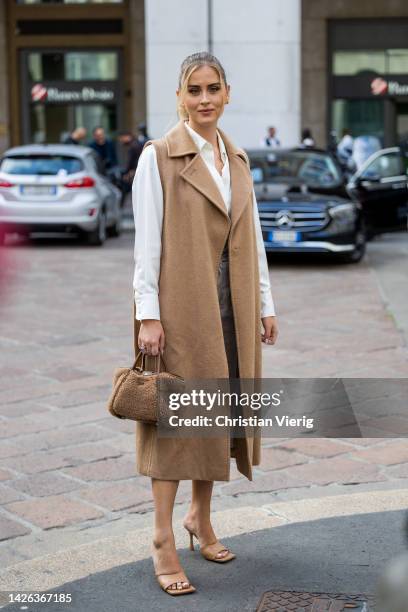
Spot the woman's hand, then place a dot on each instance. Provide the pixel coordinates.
(151, 337)
(270, 334)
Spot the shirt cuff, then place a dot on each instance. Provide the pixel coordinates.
(147, 306)
(267, 305)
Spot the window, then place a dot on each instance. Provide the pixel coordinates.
(73, 66)
(361, 117)
(313, 169)
(53, 122)
(384, 166)
(42, 27)
(397, 61)
(350, 63)
(387, 61)
(69, 1)
(50, 165)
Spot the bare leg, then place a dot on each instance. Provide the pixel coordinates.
(164, 552)
(198, 518)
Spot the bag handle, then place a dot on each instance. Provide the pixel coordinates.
(159, 360)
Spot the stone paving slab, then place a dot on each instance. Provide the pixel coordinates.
(53, 511)
(58, 444)
(11, 529)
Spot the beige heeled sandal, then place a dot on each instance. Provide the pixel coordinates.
(167, 583)
(210, 551)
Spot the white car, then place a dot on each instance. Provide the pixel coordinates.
(57, 188)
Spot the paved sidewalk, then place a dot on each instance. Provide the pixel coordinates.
(388, 256)
(67, 468)
(335, 544)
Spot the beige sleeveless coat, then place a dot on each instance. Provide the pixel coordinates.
(196, 226)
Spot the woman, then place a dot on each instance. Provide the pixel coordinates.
(201, 291)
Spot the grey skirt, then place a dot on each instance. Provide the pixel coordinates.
(227, 318)
(227, 315)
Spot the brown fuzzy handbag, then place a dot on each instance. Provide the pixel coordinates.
(135, 394)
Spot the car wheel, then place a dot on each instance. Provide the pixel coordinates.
(98, 236)
(359, 251)
(116, 229)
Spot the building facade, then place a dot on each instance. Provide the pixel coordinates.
(355, 68)
(290, 63)
(70, 64)
(115, 63)
(258, 44)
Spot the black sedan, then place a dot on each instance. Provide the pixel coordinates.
(303, 205)
(381, 187)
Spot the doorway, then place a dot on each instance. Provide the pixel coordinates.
(52, 123)
(65, 89)
(402, 124)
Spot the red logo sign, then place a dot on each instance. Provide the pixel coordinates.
(379, 86)
(38, 93)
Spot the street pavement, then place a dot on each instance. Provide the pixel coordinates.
(317, 556)
(67, 467)
(388, 256)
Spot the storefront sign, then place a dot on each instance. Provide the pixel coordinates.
(380, 87)
(66, 93)
(397, 89)
(362, 86)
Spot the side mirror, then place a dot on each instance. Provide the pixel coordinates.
(371, 178)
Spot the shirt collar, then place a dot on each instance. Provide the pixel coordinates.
(202, 142)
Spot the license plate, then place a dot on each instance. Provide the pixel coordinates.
(38, 190)
(283, 236)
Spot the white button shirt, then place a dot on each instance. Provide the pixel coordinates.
(147, 199)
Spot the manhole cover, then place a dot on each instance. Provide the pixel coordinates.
(285, 601)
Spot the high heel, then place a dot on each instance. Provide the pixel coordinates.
(210, 551)
(166, 584)
(167, 580)
(191, 539)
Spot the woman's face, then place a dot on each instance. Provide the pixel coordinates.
(205, 96)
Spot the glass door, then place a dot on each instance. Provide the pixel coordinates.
(402, 125)
(53, 123)
(361, 117)
(66, 89)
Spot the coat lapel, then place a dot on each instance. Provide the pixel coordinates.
(195, 172)
(241, 180)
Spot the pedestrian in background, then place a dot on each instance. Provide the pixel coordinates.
(104, 147)
(344, 153)
(134, 145)
(76, 136)
(271, 140)
(308, 141)
(194, 203)
(143, 136)
(345, 146)
(332, 143)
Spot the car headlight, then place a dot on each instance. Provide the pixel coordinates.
(343, 211)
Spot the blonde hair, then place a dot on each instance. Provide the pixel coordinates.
(191, 63)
